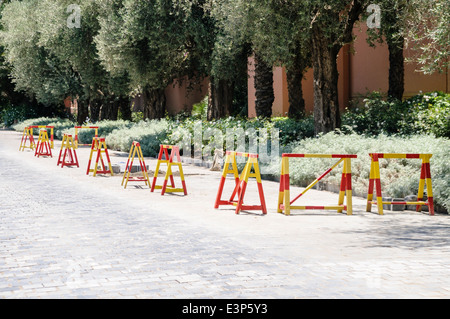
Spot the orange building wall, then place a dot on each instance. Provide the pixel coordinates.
(182, 98)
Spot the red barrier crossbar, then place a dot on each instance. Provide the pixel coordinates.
(84, 127)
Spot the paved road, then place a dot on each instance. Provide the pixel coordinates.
(64, 235)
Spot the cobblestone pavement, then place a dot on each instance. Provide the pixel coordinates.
(67, 235)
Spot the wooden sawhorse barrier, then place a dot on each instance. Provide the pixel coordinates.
(170, 159)
(69, 157)
(27, 136)
(284, 201)
(425, 179)
(241, 182)
(135, 150)
(43, 147)
(99, 146)
(41, 127)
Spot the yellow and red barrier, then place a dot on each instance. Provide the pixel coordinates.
(43, 147)
(99, 146)
(135, 150)
(69, 157)
(27, 136)
(284, 201)
(241, 182)
(425, 179)
(170, 161)
(52, 144)
(77, 128)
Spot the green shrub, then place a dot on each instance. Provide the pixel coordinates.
(61, 126)
(137, 117)
(14, 114)
(105, 128)
(149, 134)
(421, 114)
(200, 110)
(432, 113)
(255, 129)
(19, 127)
(293, 130)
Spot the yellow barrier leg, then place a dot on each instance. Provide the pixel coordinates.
(243, 182)
(281, 191)
(348, 176)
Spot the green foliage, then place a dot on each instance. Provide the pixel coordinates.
(428, 34)
(431, 113)
(61, 126)
(33, 68)
(137, 117)
(13, 114)
(200, 110)
(149, 133)
(293, 130)
(105, 128)
(289, 130)
(143, 38)
(19, 127)
(421, 114)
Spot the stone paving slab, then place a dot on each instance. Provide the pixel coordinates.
(64, 234)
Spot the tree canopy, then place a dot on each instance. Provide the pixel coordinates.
(105, 52)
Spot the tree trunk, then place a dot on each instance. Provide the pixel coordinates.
(264, 88)
(83, 111)
(396, 69)
(296, 100)
(295, 74)
(220, 101)
(295, 90)
(326, 101)
(110, 109)
(95, 106)
(154, 104)
(125, 108)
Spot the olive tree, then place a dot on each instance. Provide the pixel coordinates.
(33, 68)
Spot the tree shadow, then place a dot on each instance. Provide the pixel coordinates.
(403, 235)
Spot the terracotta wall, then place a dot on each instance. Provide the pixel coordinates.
(182, 97)
(179, 97)
(370, 70)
